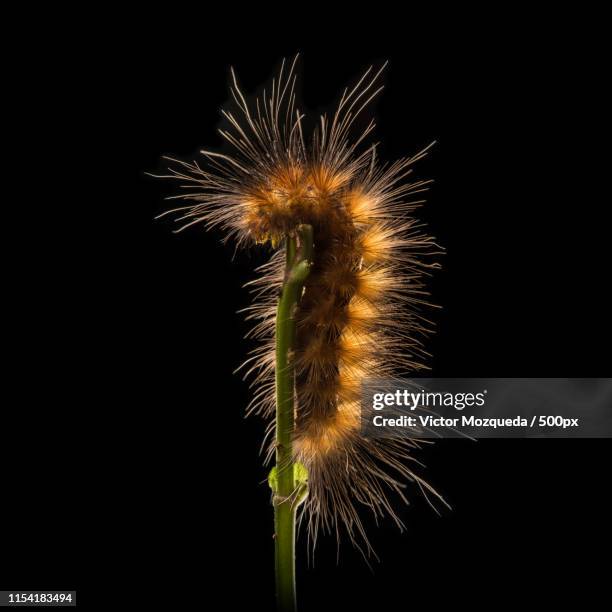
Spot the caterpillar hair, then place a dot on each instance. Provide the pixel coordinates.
(360, 313)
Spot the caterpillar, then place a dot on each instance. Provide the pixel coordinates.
(360, 313)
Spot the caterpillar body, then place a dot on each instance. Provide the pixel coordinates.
(359, 315)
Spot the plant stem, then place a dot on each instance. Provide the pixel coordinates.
(299, 254)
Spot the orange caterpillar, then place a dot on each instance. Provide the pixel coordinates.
(359, 312)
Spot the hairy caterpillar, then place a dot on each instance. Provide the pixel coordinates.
(359, 313)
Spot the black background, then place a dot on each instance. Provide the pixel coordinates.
(127, 462)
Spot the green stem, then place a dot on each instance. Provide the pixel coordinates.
(299, 254)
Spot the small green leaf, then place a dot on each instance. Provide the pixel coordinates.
(300, 478)
(273, 480)
(300, 474)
